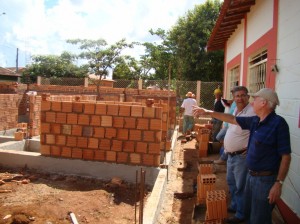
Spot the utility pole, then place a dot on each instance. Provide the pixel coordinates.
(17, 60)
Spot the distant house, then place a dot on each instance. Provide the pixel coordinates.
(10, 74)
(261, 42)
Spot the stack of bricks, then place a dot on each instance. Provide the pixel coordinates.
(205, 182)
(203, 140)
(34, 115)
(21, 132)
(9, 110)
(216, 205)
(110, 132)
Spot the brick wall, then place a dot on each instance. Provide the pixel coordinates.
(110, 132)
(9, 110)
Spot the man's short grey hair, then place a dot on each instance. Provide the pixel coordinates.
(239, 88)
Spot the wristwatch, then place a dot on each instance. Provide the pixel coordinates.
(279, 181)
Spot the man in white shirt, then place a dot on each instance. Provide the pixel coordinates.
(188, 117)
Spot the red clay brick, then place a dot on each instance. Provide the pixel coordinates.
(95, 120)
(155, 124)
(117, 145)
(45, 105)
(110, 133)
(56, 106)
(158, 136)
(106, 121)
(66, 152)
(164, 117)
(122, 157)
(111, 156)
(148, 136)
(149, 112)
(71, 141)
(50, 117)
(88, 154)
(99, 155)
(66, 107)
(104, 144)
(87, 131)
(60, 140)
(135, 135)
(156, 159)
(50, 139)
(45, 150)
(93, 143)
(82, 142)
(89, 108)
(136, 111)
(141, 147)
(118, 122)
(76, 153)
(112, 109)
(45, 128)
(128, 146)
(55, 128)
(135, 158)
(154, 148)
(142, 123)
(66, 129)
(83, 119)
(77, 107)
(129, 122)
(61, 118)
(72, 118)
(55, 150)
(122, 134)
(77, 130)
(124, 110)
(148, 160)
(158, 112)
(101, 109)
(99, 132)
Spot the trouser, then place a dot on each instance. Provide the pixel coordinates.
(188, 123)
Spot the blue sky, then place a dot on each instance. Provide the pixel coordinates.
(43, 26)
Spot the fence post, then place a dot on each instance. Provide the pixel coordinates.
(86, 82)
(38, 81)
(140, 84)
(198, 92)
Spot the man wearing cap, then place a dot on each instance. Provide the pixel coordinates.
(188, 117)
(218, 107)
(268, 157)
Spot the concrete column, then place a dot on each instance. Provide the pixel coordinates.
(86, 82)
(38, 81)
(198, 92)
(140, 84)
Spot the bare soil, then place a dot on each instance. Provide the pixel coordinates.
(32, 197)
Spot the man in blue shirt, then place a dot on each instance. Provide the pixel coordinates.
(269, 154)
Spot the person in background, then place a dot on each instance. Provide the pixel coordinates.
(218, 107)
(188, 117)
(268, 157)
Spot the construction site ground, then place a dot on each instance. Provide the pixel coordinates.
(27, 196)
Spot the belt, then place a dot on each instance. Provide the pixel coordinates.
(261, 173)
(237, 152)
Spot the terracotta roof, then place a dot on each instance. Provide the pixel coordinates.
(8, 72)
(231, 15)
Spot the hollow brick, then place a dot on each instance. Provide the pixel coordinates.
(128, 146)
(45, 128)
(129, 122)
(135, 135)
(56, 106)
(50, 139)
(93, 143)
(77, 130)
(147, 159)
(143, 124)
(82, 142)
(100, 109)
(45, 150)
(71, 141)
(136, 111)
(89, 108)
(66, 107)
(95, 120)
(77, 107)
(112, 109)
(149, 112)
(76, 153)
(50, 117)
(106, 121)
(87, 131)
(55, 128)
(55, 150)
(118, 122)
(72, 118)
(104, 144)
(61, 140)
(124, 110)
(99, 132)
(61, 118)
(122, 134)
(66, 152)
(117, 145)
(141, 147)
(155, 124)
(66, 129)
(135, 158)
(45, 105)
(99, 155)
(110, 133)
(148, 136)
(122, 157)
(154, 148)
(83, 119)
(88, 154)
(111, 156)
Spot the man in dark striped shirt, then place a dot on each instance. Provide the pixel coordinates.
(269, 154)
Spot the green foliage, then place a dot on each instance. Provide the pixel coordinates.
(53, 66)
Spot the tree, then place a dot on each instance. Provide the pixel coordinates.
(53, 66)
(100, 56)
(189, 38)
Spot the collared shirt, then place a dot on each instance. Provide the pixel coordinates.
(188, 104)
(268, 141)
(236, 139)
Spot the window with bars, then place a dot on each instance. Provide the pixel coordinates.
(233, 79)
(258, 71)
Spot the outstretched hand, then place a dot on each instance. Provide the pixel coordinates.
(197, 111)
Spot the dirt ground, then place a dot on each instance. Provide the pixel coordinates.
(31, 197)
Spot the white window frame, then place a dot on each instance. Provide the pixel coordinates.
(257, 71)
(233, 80)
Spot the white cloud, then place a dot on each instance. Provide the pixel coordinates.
(42, 26)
